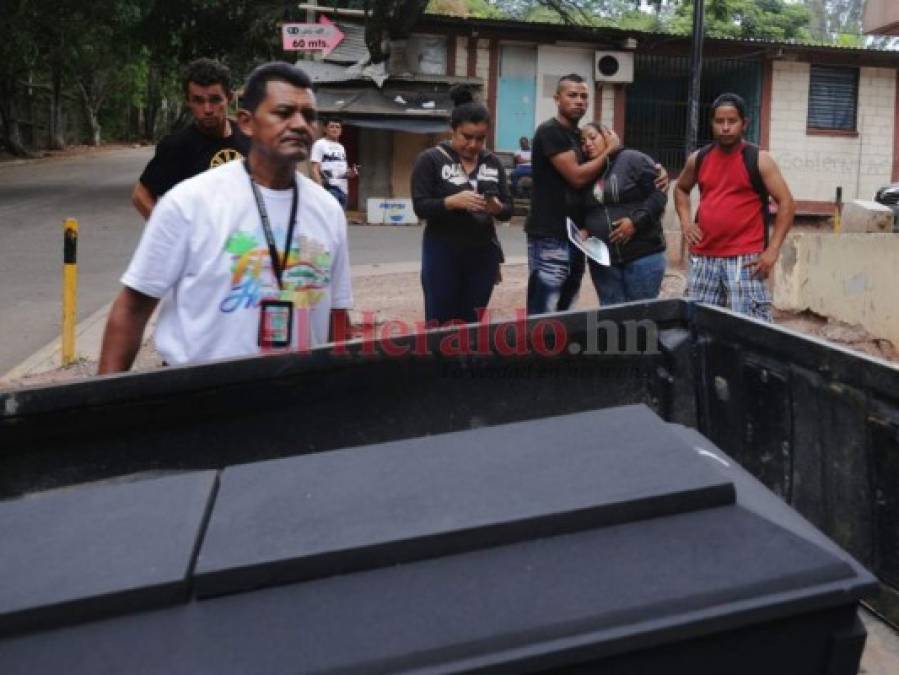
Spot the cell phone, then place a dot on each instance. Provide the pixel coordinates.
(488, 188)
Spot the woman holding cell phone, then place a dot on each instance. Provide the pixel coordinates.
(460, 189)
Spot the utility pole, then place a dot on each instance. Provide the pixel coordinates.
(695, 76)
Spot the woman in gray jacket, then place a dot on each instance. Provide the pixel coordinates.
(624, 208)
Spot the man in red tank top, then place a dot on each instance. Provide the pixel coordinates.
(730, 257)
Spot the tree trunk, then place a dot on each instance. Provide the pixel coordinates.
(90, 115)
(12, 133)
(56, 130)
(154, 100)
(390, 19)
(94, 125)
(134, 122)
(818, 25)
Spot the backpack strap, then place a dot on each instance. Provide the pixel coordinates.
(700, 156)
(751, 160)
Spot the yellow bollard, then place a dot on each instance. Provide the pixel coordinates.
(69, 289)
(837, 212)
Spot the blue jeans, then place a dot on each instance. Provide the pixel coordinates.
(517, 173)
(555, 270)
(639, 279)
(338, 194)
(457, 280)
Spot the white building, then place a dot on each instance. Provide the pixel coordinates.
(827, 114)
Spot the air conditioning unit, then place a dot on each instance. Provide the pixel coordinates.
(613, 67)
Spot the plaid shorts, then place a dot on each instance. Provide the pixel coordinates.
(725, 282)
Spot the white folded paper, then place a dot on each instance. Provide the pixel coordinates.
(595, 248)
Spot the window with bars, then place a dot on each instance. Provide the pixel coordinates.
(833, 99)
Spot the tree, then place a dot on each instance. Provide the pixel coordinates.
(389, 20)
(120, 60)
(104, 29)
(17, 56)
(482, 9)
(765, 19)
(53, 35)
(837, 21)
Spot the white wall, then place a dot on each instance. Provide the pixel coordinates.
(850, 277)
(483, 63)
(815, 165)
(426, 54)
(461, 56)
(608, 106)
(552, 63)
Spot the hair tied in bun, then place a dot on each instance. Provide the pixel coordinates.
(461, 94)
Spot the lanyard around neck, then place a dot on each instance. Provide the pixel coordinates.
(278, 265)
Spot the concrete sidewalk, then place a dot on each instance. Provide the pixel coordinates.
(88, 336)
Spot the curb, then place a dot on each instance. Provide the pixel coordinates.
(88, 336)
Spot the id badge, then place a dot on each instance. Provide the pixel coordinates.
(275, 323)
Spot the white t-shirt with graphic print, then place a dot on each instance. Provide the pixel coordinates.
(204, 253)
(332, 158)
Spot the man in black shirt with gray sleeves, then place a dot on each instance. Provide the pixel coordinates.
(210, 140)
(555, 266)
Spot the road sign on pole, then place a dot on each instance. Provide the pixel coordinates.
(323, 36)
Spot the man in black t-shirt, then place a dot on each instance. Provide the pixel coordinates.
(211, 139)
(555, 266)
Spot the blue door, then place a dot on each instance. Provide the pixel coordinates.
(516, 96)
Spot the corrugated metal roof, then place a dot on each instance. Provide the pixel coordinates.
(352, 49)
(390, 101)
(323, 72)
(613, 32)
(816, 44)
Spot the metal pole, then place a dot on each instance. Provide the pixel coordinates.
(838, 211)
(695, 76)
(69, 289)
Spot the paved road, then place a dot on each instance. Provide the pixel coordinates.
(34, 199)
(36, 196)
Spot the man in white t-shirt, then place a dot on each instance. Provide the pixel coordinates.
(329, 165)
(522, 160)
(214, 247)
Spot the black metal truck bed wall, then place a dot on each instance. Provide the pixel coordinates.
(817, 424)
(245, 410)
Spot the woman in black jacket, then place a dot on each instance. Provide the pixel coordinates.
(460, 189)
(624, 208)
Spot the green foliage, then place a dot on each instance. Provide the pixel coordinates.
(480, 9)
(759, 19)
(483, 9)
(113, 57)
(836, 20)
(541, 14)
